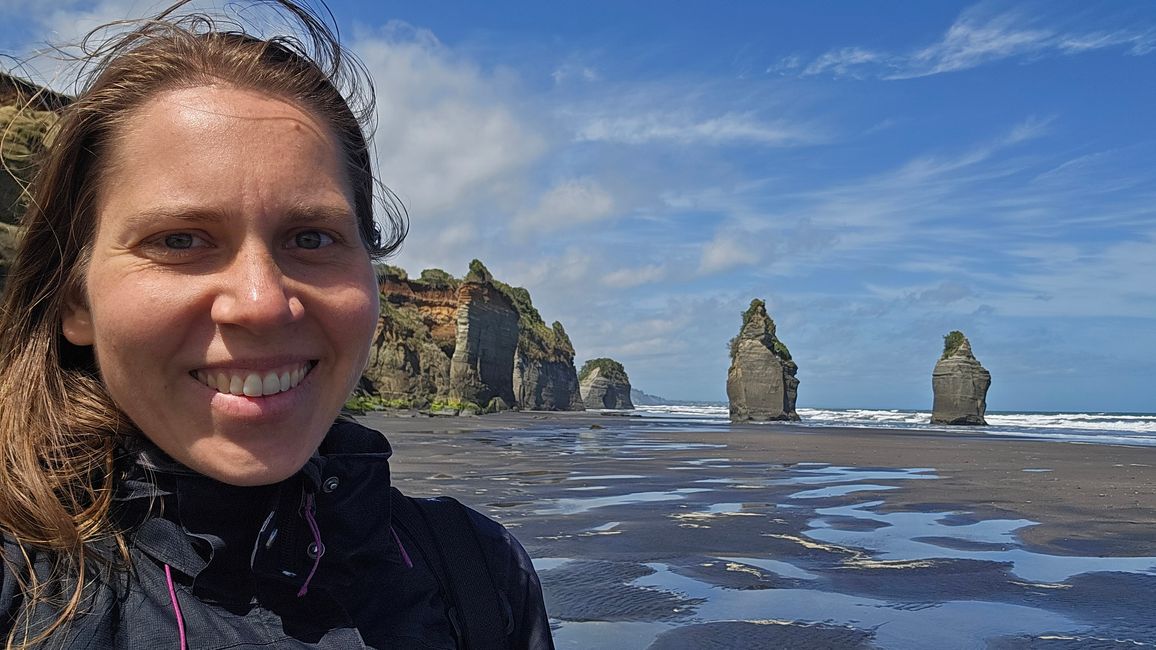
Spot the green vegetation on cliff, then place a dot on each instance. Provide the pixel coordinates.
(951, 342)
(758, 309)
(438, 279)
(608, 368)
(406, 323)
(478, 273)
(389, 271)
(536, 340)
(22, 137)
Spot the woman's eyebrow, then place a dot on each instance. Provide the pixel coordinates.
(297, 215)
(323, 214)
(191, 215)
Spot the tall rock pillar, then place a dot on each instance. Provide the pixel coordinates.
(761, 383)
(959, 384)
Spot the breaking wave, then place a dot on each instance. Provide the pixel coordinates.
(1103, 428)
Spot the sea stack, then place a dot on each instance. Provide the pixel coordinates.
(959, 383)
(761, 383)
(604, 385)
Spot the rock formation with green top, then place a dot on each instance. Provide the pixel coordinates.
(959, 384)
(604, 385)
(761, 383)
(471, 341)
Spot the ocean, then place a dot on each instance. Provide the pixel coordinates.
(1086, 428)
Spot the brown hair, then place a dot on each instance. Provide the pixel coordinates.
(59, 429)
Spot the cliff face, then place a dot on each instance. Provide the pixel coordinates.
(468, 340)
(959, 384)
(23, 129)
(487, 334)
(761, 383)
(604, 385)
(409, 360)
(544, 385)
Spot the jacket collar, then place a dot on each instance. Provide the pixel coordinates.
(224, 537)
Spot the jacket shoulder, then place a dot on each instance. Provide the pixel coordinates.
(514, 576)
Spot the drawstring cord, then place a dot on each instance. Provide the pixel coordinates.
(404, 555)
(176, 608)
(316, 544)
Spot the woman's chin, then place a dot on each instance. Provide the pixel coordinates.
(244, 468)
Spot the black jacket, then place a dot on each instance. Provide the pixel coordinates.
(239, 558)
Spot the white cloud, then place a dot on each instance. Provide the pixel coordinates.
(726, 251)
(841, 62)
(626, 278)
(568, 71)
(683, 129)
(977, 37)
(568, 203)
(448, 138)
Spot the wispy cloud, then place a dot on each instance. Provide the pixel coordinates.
(977, 37)
(682, 129)
(626, 278)
(842, 62)
(728, 250)
(569, 203)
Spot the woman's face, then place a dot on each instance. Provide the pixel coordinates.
(229, 299)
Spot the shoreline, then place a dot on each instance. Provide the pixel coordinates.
(654, 533)
(1109, 490)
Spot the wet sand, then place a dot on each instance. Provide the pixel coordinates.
(665, 534)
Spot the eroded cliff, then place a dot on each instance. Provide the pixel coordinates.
(959, 384)
(761, 382)
(470, 341)
(27, 114)
(604, 385)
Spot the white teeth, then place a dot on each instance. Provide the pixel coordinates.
(254, 384)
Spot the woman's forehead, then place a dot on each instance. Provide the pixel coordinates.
(222, 150)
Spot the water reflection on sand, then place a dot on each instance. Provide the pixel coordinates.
(644, 555)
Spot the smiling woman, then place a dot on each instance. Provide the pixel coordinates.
(227, 246)
(192, 302)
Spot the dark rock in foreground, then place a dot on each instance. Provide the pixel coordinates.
(959, 384)
(761, 383)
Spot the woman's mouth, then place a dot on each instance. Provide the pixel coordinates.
(252, 383)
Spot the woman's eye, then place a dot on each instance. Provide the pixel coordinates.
(174, 244)
(311, 239)
(180, 241)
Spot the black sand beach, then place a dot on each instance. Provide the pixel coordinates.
(652, 533)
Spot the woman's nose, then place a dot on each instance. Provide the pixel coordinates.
(253, 293)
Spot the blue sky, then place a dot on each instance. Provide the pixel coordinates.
(880, 173)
